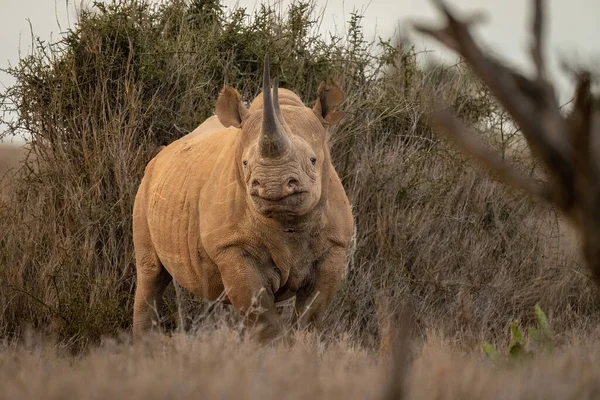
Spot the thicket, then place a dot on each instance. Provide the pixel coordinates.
(467, 254)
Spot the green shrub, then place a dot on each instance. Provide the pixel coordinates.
(542, 335)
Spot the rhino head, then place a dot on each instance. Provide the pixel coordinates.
(283, 157)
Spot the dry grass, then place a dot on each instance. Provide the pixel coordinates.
(10, 156)
(217, 364)
(570, 373)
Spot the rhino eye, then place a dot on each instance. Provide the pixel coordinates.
(313, 160)
(245, 162)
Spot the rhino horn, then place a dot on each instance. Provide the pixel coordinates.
(273, 141)
(276, 99)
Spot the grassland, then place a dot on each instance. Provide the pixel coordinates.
(217, 364)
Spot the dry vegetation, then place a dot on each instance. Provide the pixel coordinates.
(219, 365)
(10, 156)
(459, 249)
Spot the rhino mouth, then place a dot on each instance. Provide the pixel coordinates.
(272, 206)
(278, 198)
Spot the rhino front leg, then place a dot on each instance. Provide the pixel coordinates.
(250, 292)
(313, 300)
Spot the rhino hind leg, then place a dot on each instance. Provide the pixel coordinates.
(152, 277)
(152, 280)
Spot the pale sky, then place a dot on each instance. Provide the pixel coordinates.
(573, 26)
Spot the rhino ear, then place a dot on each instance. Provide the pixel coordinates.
(328, 98)
(230, 109)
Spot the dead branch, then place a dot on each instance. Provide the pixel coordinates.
(563, 144)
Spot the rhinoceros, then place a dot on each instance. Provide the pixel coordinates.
(247, 208)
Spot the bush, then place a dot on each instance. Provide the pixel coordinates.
(431, 231)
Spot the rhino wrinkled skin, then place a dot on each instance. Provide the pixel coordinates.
(247, 204)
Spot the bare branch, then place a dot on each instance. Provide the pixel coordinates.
(521, 97)
(396, 388)
(581, 123)
(563, 145)
(467, 139)
(537, 46)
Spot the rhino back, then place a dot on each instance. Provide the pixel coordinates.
(210, 126)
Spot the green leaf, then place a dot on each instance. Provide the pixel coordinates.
(536, 334)
(516, 335)
(542, 321)
(491, 352)
(516, 351)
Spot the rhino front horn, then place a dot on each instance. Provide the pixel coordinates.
(273, 141)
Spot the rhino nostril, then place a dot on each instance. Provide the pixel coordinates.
(255, 184)
(292, 183)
